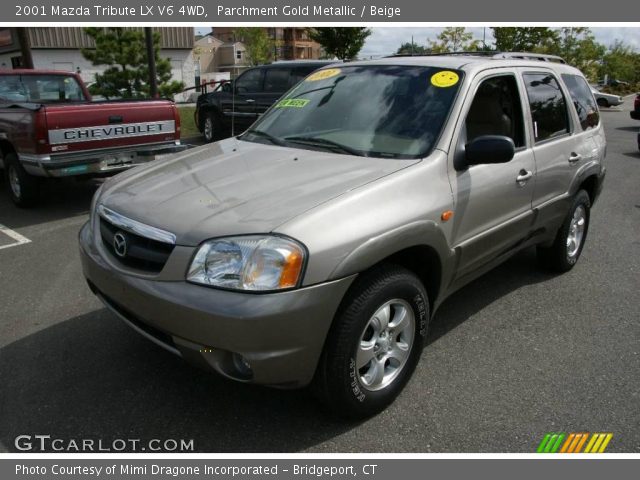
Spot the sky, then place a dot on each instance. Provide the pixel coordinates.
(386, 40)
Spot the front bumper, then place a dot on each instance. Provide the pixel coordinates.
(280, 335)
(95, 162)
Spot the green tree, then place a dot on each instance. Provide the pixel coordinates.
(411, 48)
(621, 62)
(578, 47)
(343, 43)
(522, 39)
(454, 39)
(259, 46)
(124, 53)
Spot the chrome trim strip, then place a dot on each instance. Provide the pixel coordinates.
(148, 336)
(136, 227)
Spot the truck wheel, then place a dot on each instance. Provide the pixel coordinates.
(211, 127)
(22, 187)
(374, 344)
(563, 254)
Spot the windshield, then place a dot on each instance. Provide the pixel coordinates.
(376, 111)
(40, 89)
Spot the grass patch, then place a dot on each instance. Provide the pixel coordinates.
(187, 123)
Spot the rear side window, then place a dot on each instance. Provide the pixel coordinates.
(548, 106)
(583, 100)
(276, 80)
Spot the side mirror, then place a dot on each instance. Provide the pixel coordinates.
(489, 149)
(226, 87)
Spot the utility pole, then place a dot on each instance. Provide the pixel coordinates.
(25, 47)
(151, 59)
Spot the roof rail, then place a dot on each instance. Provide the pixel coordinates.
(480, 53)
(542, 57)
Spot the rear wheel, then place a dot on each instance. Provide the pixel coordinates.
(22, 187)
(563, 254)
(374, 344)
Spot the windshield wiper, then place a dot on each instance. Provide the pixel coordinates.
(323, 142)
(268, 136)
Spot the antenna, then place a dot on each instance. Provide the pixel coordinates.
(233, 106)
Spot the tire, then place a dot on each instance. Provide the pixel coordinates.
(353, 392)
(22, 187)
(211, 127)
(602, 102)
(565, 251)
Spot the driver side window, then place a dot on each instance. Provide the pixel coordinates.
(250, 81)
(496, 110)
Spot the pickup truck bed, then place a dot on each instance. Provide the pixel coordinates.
(49, 127)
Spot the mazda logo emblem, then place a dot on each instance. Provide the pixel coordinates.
(120, 244)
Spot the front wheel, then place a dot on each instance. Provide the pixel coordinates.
(563, 254)
(211, 127)
(603, 102)
(375, 342)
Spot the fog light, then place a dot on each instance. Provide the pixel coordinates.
(242, 366)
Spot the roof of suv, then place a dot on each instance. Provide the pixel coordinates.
(475, 61)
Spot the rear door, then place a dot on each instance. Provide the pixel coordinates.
(492, 202)
(558, 143)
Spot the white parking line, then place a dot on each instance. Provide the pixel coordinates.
(19, 239)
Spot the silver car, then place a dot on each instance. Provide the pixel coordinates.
(315, 247)
(607, 99)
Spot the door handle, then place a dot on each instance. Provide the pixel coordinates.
(574, 157)
(249, 100)
(524, 176)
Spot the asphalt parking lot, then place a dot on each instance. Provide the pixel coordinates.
(514, 355)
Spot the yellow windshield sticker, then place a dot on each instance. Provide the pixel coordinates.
(292, 103)
(323, 74)
(444, 79)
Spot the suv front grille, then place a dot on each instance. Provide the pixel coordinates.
(141, 253)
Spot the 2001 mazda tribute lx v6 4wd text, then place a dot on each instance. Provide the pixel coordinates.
(314, 248)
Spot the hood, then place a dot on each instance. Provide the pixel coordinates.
(235, 187)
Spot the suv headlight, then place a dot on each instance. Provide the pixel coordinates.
(249, 263)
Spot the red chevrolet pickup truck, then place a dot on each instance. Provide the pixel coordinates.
(50, 127)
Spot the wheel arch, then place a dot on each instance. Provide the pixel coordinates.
(419, 247)
(203, 111)
(5, 148)
(590, 185)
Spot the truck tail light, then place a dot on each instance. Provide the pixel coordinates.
(41, 132)
(176, 116)
(636, 104)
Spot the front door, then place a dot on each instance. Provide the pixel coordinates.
(238, 107)
(492, 202)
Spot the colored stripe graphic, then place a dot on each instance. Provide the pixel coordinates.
(598, 443)
(573, 442)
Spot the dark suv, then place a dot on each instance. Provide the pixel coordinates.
(223, 112)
